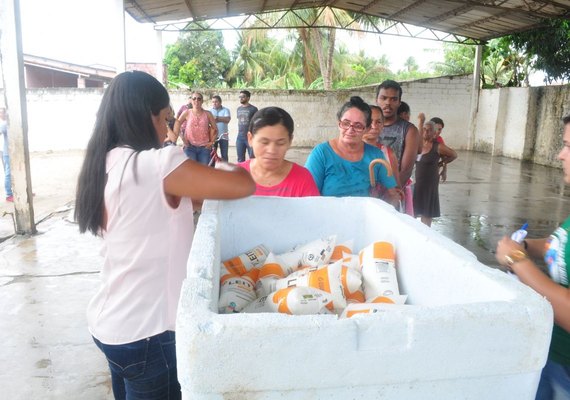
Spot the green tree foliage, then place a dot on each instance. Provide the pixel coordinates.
(458, 59)
(549, 47)
(411, 64)
(198, 59)
(259, 60)
(502, 63)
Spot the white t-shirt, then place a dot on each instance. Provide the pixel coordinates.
(145, 248)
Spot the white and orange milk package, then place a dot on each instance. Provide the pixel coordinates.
(340, 249)
(243, 263)
(292, 301)
(335, 279)
(236, 291)
(378, 265)
(315, 253)
(370, 309)
(276, 266)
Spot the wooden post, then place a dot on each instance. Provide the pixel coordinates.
(12, 61)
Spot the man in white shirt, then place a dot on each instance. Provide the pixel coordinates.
(222, 116)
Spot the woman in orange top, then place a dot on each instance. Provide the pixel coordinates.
(200, 132)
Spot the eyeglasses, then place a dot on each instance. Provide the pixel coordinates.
(197, 98)
(346, 124)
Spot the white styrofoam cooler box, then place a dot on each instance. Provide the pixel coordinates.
(470, 332)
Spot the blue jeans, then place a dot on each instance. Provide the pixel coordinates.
(241, 146)
(198, 153)
(554, 382)
(7, 176)
(145, 369)
(224, 144)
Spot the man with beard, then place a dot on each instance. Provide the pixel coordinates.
(402, 136)
(398, 134)
(244, 113)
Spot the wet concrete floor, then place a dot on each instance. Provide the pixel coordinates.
(46, 280)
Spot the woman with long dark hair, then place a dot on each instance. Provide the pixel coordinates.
(138, 197)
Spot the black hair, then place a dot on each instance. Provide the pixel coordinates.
(216, 97)
(403, 108)
(566, 119)
(356, 102)
(246, 92)
(271, 116)
(438, 120)
(375, 107)
(123, 119)
(390, 84)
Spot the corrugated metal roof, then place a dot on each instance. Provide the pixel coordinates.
(476, 19)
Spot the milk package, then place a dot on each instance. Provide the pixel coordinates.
(465, 332)
(333, 278)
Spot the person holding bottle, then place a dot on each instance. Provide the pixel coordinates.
(555, 251)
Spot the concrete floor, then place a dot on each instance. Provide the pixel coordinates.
(46, 280)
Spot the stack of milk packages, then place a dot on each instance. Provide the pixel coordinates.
(319, 277)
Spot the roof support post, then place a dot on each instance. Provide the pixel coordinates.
(118, 24)
(160, 76)
(475, 90)
(12, 61)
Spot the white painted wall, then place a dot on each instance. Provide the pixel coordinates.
(61, 119)
(485, 127)
(515, 122)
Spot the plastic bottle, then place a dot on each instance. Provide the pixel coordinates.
(519, 235)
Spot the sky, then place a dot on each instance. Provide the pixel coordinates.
(78, 32)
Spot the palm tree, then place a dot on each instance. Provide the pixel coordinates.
(251, 57)
(411, 64)
(316, 36)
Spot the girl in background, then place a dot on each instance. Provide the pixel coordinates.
(426, 190)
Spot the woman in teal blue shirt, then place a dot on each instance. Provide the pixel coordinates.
(340, 166)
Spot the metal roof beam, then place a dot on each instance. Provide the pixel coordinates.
(257, 21)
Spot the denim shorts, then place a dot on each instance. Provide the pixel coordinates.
(145, 369)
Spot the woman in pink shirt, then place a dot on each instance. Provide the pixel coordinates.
(270, 135)
(138, 195)
(200, 132)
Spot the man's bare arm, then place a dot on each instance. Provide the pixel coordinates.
(412, 142)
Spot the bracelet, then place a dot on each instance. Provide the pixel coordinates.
(515, 256)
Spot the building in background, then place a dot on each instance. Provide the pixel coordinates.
(41, 72)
